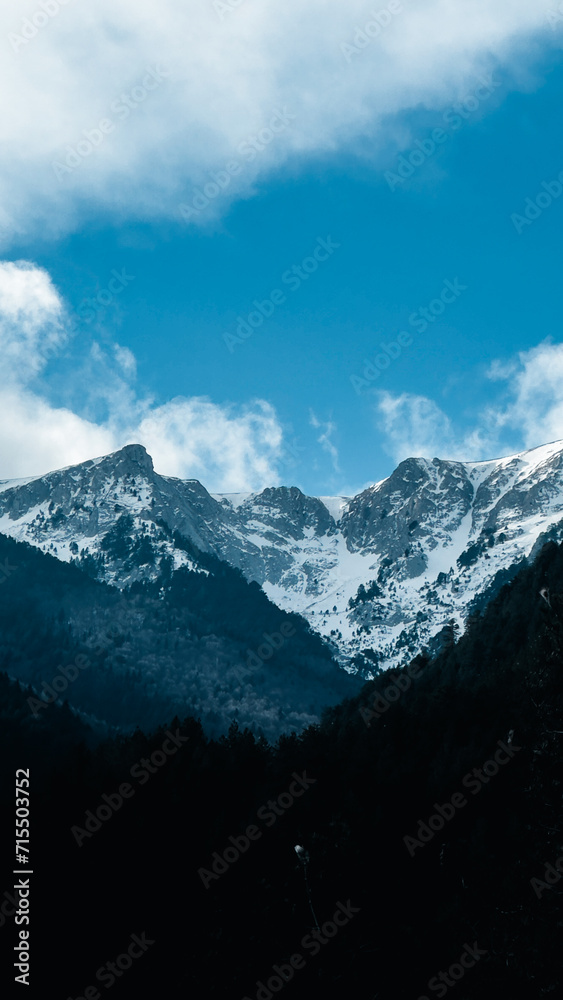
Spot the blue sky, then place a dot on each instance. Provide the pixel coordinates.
(311, 397)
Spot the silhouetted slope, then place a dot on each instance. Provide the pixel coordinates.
(367, 789)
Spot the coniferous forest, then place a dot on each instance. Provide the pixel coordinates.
(426, 807)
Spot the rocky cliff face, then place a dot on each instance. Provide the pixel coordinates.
(383, 571)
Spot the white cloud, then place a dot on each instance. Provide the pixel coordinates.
(498, 371)
(527, 412)
(31, 319)
(413, 426)
(220, 82)
(229, 448)
(36, 437)
(535, 395)
(126, 360)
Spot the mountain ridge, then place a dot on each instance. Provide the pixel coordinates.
(379, 575)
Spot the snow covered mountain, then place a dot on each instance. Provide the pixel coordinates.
(379, 574)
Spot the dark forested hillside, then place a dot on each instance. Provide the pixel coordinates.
(428, 806)
(206, 643)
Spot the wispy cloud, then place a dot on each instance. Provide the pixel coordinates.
(327, 428)
(534, 395)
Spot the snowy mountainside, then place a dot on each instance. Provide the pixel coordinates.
(383, 572)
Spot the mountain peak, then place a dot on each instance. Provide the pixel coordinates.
(133, 457)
